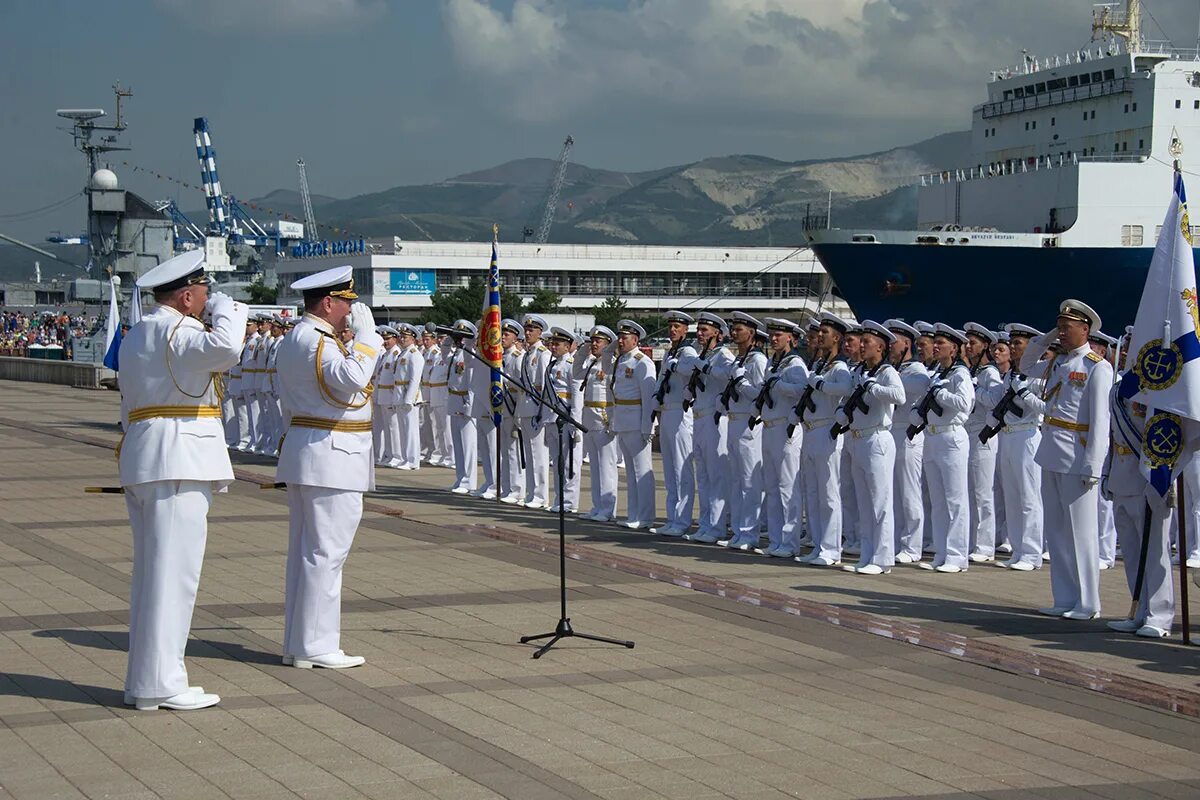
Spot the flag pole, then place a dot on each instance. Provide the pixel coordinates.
(1183, 574)
(498, 417)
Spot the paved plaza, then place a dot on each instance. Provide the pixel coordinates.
(751, 679)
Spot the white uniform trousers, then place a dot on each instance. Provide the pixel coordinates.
(390, 457)
(229, 418)
(409, 428)
(945, 466)
(276, 409)
(1002, 536)
(572, 460)
(710, 455)
(266, 428)
(512, 476)
(850, 536)
(485, 440)
(981, 488)
(443, 448)
(780, 470)
(321, 527)
(254, 411)
(679, 474)
(927, 506)
(244, 422)
(1156, 605)
(426, 422)
(908, 510)
(1191, 501)
(169, 520)
(639, 477)
(821, 475)
(873, 466)
(1070, 526)
(601, 449)
(1021, 478)
(537, 462)
(378, 427)
(745, 479)
(1106, 546)
(465, 439)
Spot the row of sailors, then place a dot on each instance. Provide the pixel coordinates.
(876, 448)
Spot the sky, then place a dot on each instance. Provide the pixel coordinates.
(379, 93)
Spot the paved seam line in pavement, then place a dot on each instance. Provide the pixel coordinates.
(988, 654)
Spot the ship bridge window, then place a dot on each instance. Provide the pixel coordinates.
(1085, 79)
(1052, 122)
(1178, 103)
(1018, 92)
(863, 237)
(1110, 75)
(1097, 77)
(1131, 235)
(1057, 83)
(1195, 104)
(1008, 94)
(1029, 90)
(1073, 80)
(1041, 87)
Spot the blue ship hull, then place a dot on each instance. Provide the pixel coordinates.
(989, 285)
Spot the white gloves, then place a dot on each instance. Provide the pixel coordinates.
(1089, 481)
(647, 438)
(1019, 384)
(362, 321)
(816, 382)
(870, 384)
(218, 303)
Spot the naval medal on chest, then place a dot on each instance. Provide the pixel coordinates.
(459, 367)
(1078, 379)
(629, 372)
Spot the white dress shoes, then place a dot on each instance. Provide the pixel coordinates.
(949, 568)
(1080, 615)
(1021, 566)
(1151, 632)
(633, 524)
(459, 490)
(1053, 611)
(510, 499)
(131, 700)
(821, 561)
(184, 701)
(905, 558)
(338, 660)
(702, 537)
(1123, 626)
(981, 558)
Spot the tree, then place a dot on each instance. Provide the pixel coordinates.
(261, 294)
(611, 311)
(544, 301)
(466, 302)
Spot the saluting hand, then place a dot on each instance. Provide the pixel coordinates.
(218, 301)
(362, 321)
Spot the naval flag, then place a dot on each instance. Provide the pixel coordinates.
(112, 333)
(1164, 349)
(490, 348)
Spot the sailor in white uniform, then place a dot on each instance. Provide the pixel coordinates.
(631, 387)
(262, 430)
(710, 452)
(878, 388)
(781, 441)
(981, 464)
(172, 458)
(533, 375)
(279, 328)
(463, 434)
(924, 348)
(562, 392)
(946, 450)
(485, 423)
(675, 426)
(409, 368)
(439, 399)
(591, 382)
(428, 350)
(908, 510)
(247, 406)
(512, 473)
(381, 397)
(852, 350)
(390, 360)
(1102, 344)
(326, 459)
(1072, 452)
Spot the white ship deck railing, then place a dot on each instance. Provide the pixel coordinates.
(1054, 98)
(1013, 166)
(582, 252)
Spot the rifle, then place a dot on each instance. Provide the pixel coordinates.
(928, 403)
(764, 394)
(730, 393)
(855, 402)
(1007, 403)
(806, 403)
(664, 385)
(694, 382)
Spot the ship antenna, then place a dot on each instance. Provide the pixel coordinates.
(1105, 20)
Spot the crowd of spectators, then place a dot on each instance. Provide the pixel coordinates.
(20, 330)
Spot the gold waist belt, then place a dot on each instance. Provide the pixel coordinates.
(1065, 423)
(621, 402)
(596, 404)
(457, 393)
(322, 424)
(1122, 450)
(438, 385)
(174, 412)
(386, 386)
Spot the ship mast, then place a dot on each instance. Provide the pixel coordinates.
(1106, 19)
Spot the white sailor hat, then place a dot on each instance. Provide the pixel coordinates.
(464, 328)
(875, 329)
(561, 334)
(709, 318)
(336, 282)
(388, 332)
(512, 325)
(814, 324)
(953, 334)
(745, 319)
(431, 328)
(923, 328)
(406, 327)
(1080, 312)
(902, 327)
(762, 333)
(1101, 338)
(975, 329)
(835, 322)
(679, 316)
(185, 269)
(536, 320)
(1002, 337)
(603, 331)
(780, 324)
(1020, 329)
(629, 326)
(265, 316)
(278, 319)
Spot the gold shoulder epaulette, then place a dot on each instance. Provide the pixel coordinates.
(1093, 357)
(638, 355)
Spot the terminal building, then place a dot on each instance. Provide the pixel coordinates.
(400, 277)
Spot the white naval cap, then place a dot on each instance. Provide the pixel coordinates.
(537, 321)
(561, 334)
(1080, 312)
(1002, 337)
(709, 318)
(953, 334)
(975, 329)
(388, 332)
(1102, 338)
(335, 282)
(741, 317)
(629, 326)
(923, 327)
(814, 324)
(875, 329)
(679, 316)
(902, 327)
(1021, 329)
(835, 322)
(512, 325)
(780, 324)
(602, 331)
(185, 269)
(405, 327)
(464, 328)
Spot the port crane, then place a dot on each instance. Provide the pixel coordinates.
(555, 188)
(310, 220)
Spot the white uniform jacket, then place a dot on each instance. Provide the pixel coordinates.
(915, 379)
(985, 380)
(439, 373)
(781, 390)
(1076, 425)
(563, 391)
(631, 387)
(169, 406)
(458, 382)
(591, 385)
(1029, 403)
(326, 411)
(385, 386)
(955, 393)
(248, 385)
(533, 375)
(409, 367)
(708, 390)
(881, 398)
(745, 375)
(675, 378)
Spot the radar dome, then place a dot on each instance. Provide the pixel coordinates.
(105, 180)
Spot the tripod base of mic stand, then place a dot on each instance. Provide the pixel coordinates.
(564, 630)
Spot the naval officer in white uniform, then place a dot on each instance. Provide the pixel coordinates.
(326, 459)
(631, 389)
(172, 458)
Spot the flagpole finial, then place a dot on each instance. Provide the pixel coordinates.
(495, 232)
(1175, 148)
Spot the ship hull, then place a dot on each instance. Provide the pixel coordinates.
(990, 285)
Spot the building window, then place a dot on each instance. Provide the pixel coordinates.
(1135, 106)
(1141, 144)
(1034, 125)
(1052, 122)
(1026, 124)
(1195, 104)
(986, 133)
(1127, 108)
(1178, 103)
(1125, 146)
(1131, 235)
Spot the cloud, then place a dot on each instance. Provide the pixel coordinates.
(279, 15)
